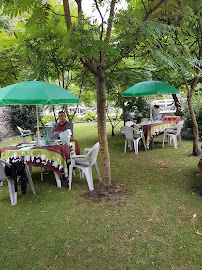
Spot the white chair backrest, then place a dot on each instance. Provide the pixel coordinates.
(136, 128)
(65, 136)
(128, 132)
(2, 169)
(20, 129)
(24, 131)
(129, 123)
(94, 152)
(179, 126)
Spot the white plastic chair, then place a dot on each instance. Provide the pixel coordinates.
(173, 134)
(85, 163)
(129, 123)
(85, 151)
(133, 139)
(25, 133)
(3, 176)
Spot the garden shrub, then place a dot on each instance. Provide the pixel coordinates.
(48, 118)
(72, 117)
(23, 116)
(138, 106)
(115, 117)
(89, 117)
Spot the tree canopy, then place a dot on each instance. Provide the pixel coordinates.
(55, 41)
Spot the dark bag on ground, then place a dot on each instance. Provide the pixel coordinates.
(17, 169)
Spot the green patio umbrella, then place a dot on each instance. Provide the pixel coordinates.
(150, 88)
(36, 93)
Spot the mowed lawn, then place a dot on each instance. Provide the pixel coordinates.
(153, 222)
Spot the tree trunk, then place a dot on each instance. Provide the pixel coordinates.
(112, 131)
(67, 14)
(190, 92)
(196, 151)
(101, 122)
(79, 7)
(178, 106)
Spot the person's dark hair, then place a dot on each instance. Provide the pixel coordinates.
(62, 112)
(156, 106)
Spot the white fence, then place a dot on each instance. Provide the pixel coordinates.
(166, 105)
(164, 102)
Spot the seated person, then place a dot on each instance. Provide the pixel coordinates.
(156, 114)
(61, 126)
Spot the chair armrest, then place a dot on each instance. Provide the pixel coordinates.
(78, 156)
(86, 150)
(5, 163)
(27, 133)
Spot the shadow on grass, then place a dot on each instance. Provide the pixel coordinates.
(195, 183)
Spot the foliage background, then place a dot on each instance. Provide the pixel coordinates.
(23, 116)
(187, 131)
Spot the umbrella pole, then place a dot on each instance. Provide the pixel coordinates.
(37, 119)
(151, 118)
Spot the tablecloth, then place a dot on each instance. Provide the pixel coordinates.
(154, 129)
(51, 157)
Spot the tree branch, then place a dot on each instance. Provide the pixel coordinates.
(187, 86)
(195, 79)
(110, 21)
(49, 8)
(67, 14)
(102, 25)
(126, 53)
(89, 65)
(148, 13)
(102, 19)
(144, 6)
(80, 12)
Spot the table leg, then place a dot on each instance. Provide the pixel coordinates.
(152, 144)
(30, 169)
(58, 180)
(41, 174)
(143, 140)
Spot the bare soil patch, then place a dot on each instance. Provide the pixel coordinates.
(115, 193)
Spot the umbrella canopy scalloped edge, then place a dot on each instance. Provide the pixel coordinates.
(149, 88)
(36, 93)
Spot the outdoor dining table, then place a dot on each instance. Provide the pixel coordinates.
(51, 157)
(173, 119)
(153, 129)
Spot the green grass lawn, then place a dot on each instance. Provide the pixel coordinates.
(148, 225)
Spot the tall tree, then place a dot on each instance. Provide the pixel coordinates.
(100, 45)
(176, 47)
(99, 53)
